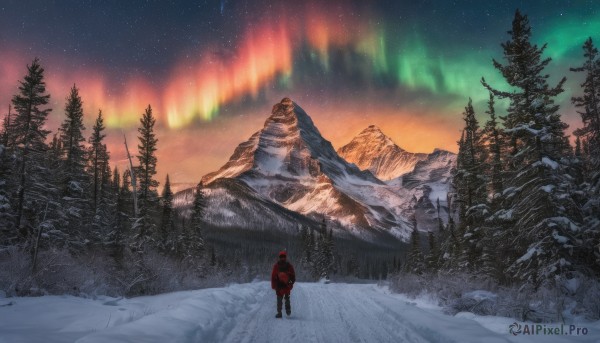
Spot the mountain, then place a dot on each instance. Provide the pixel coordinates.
(289, 163)
(374, 151)
(423, 178)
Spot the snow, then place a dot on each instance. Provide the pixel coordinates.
(566, 222)
(480, 295)
(558, 238)
(550, 163)
(321, 312)
(504, 214)
(439, 190)
(572, 285)
(547, 188)
(529, 254)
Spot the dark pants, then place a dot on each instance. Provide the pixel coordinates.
(288, 306)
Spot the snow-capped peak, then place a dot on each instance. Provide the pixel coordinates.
(373, 150)
(290, 163)
(374, 134)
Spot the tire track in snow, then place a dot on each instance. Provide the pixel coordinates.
(352, 313)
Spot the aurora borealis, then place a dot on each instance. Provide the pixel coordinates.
(212, 69)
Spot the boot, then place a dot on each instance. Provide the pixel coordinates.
(278, 315)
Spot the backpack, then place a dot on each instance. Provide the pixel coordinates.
(283, 277)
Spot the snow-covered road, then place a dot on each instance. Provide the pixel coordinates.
(246, 313)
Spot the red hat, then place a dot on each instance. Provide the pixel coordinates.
(282, 253)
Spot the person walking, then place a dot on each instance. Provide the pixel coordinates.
(283, 278)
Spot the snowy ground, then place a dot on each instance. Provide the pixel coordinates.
(245, 313)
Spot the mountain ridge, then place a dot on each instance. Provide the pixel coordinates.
(289, 163)
(373, 150)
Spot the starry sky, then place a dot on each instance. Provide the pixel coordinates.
(213, 69)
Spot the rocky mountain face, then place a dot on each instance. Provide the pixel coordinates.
(233, 204)
(424, 178)
(290, 163)
(287, 175)
(374, 151)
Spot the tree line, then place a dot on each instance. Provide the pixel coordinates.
(61, 193)
(525, 203)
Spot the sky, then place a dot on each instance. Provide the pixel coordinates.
(211, 70)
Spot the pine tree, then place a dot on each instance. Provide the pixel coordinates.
(71, 137)
(322, 255)
(145, 226)
(433, 257)
(306, 248)
(7, 137)
(106, 214)
(74, 179)
(537, 190)
(7, 182)
(587, 154)
(124, 204)
(193, 241)
(589, 102)
(30, 137)
(7, 164)
(97, 156)
(147, 158)
(116, 183)
(468, 179)
(451, 247)
(494, 143)
(415, 263)
(469, 183)
(166, 224)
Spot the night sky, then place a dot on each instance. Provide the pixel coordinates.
(212, 69)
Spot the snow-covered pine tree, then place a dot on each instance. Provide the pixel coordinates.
(192, 239)
(493, 228)
(116, 181)
(469, 183)
(145, 227)
(7, 182)
(468, 178)
(415, 262)
(589, 102)
(433, 255)
(166, 223)
(72, 141)
(7, 165)
(7, 137)
(439, 217)
(96, 156)
(451, 247)
(124, 206)
(106, 215)
(30, 139)
(322, 257)
(73, 179)
(587, 153)
(543, 240)
(493, 140)
(332, 252)
(306, 247)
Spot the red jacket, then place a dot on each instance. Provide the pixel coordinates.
(280, 287)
